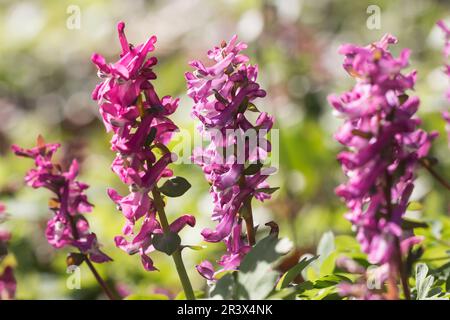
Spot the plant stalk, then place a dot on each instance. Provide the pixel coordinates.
(248, 218)
(91, 266)
(436, 175)
(400, 268)
(177, 258)
(246, 213)
(402, 272)
(99, 279)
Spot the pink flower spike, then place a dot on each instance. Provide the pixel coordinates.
(138, 119)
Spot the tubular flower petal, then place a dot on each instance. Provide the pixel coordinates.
(384, 145)
(68, 226)
(222, 93)
(138, 118)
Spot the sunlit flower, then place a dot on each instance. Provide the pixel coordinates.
(446, 114)
(68, 227)
(222, 93)
(138, 118)
(7, 280)
(384, 146)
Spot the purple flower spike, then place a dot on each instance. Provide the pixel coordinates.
(384, 146)
(446, 114)
(132, 110)
(68, 227)
(8, 283)
(222, 93)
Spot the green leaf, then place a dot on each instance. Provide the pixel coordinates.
(437, 228)
(175, 187)
(252, 169)
(325, 248)
(302, 287)
(415, 206)
(328, 264)
(292, 273)
(333, 296)
(251, 107)
(195, 248)
(284, 294)
(345, 243)
(219, 274)
(408, 224)
(267, 190)
(423, 283)
(225, 288)
(257, 276)
(329, 281)
(167, 242)
(197, 293)
(326, 245)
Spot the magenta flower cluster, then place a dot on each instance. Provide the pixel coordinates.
(138, 119)
(359, 289)
(384, 146)
(446, 30)
(222, 93)
(68, 227)
(8, 283)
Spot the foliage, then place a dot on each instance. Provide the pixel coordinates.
(45, 85)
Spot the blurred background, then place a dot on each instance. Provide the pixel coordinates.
(46, 79)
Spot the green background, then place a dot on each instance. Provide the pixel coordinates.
(46, 78)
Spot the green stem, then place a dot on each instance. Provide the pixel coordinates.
(399, 261)
(99, 279)
(91, 266)
(402, 272)
(433, 172)
(248, 218)
(247, 214)
(184, 278)
(177, 258)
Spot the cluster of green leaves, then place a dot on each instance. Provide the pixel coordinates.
(258, 277)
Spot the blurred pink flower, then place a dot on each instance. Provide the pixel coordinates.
(68, 227)
(8, 284)
(446, 114)
(384, 146)
(7, 280)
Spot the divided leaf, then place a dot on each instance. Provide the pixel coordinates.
(292, 273)
(257, 276)
(423, 283)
